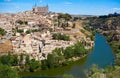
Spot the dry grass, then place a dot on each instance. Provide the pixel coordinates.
(5, 47)
(79, 26)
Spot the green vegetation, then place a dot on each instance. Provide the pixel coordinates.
(67, 17)
(76, 18)
(75, 51)
(28, 31)
(34, 65)
(8, 72)
(74, 25)
(61, 57)
(34, 30)
(108, 72)
(63, 20)
(92, 30)
(55, 71)
(6, 63)
(52, 61)
(2, 32)
(68, 76)
(109, 36)
(10, 60)
(92, 37)
(88, 28)
(27, 65)
(20, 31)
(116, 49)
(59, 36)
(21, 22)
(82, 30)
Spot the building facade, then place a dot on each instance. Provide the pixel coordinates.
(41, 10)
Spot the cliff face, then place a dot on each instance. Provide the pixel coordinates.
(110, 25)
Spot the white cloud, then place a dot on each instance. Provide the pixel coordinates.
(67, 3)
(7, 0)
(117, 9)
(41, 1)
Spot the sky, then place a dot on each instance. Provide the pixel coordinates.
(79, 7)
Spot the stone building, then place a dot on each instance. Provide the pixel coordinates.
(41, 10)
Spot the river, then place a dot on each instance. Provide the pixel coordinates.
(101, 55)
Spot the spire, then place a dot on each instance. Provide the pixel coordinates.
(47, 5)
(35, 5)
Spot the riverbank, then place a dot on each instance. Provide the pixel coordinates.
(99, 56)
(55, 71)
(56, 63)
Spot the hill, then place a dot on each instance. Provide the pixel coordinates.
(108, 25)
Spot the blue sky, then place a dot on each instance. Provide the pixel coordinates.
(86, 7)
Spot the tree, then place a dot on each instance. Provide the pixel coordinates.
(28, 32)
(44, 64)
(21, 59)
(52, 61)
(73, 25)
(34, 65)
(69, 52)
(79, 49)
(57, 51)
(59, 36)
(11, 60)
(27, 59)
(14, 60)
(20, 22)
(76, 50)
(58, 54)
(67, 17)
(20, 31)
(8, 72)
(2, 32)
(117, 60)
(55, 36)
(5, 60)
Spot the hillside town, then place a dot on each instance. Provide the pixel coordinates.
(59, 39)
(31, 32)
